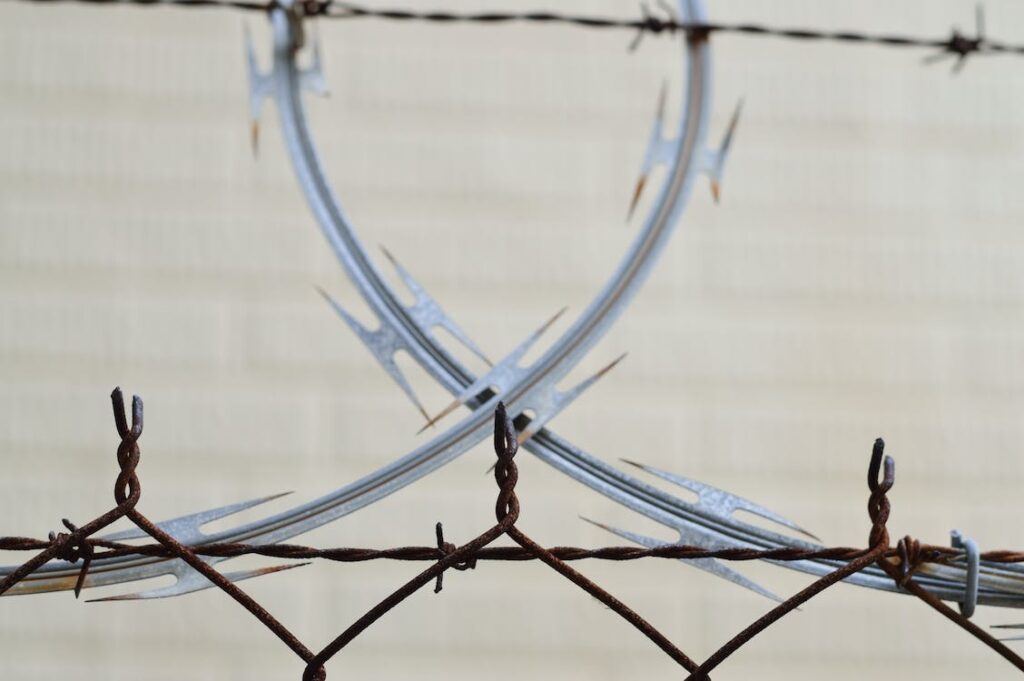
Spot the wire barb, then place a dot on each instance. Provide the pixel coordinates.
(72, 550)
(444, 549)
(961, 46)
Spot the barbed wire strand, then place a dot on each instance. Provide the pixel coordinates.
(938, 554)
(956, 44)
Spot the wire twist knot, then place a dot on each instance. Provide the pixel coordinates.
(127, 488)
(72, 549)
(878, 503)
(912, 557)
(506, 474)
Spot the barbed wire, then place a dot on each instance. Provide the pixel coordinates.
(941, 555)
(900, 563)
(957, 44)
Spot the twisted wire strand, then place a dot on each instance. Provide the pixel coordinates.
(955, 44)
(941, 554)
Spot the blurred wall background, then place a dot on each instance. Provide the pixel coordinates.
(861, 277)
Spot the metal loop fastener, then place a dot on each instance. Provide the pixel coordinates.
(973, 557)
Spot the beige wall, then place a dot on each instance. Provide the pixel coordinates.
(862, 276)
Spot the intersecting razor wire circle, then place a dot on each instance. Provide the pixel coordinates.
(402, 328)
(708, 522)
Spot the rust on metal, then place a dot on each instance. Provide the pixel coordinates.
(900, 562)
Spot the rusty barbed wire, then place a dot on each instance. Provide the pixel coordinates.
(899, 562)
(956, 44)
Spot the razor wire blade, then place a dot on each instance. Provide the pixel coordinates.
(709, 522)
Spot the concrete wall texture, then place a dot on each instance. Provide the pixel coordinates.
(861, 277)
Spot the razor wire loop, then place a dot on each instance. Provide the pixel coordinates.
(973, 558)
(597, 22)
(878, 508)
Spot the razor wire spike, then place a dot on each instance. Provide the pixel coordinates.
(261, 88)
(719, 501)
(501, 376)
(972, 557)
(689, 537)
(714, 159)
(382, 344)
(1009, 626)
(659, 151)
(565, 352)
(312, 77)
(187, 528)
(189, 581)
(547, 401)
(428, 312)
(598, 316)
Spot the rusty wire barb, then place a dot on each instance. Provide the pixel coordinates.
(662, 22)
(900, 563)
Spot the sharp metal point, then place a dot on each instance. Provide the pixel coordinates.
(638, 189)
(187, 528)
(721, 502)
(432, 421)
(707, 564)
(382, 344)
(597, 523)
(259, 90)
(548, 402)
(655, 139)
(716, 165)
(547, 324)
(611, 365)
(662, 98)
(428, 312)
(193, 581)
